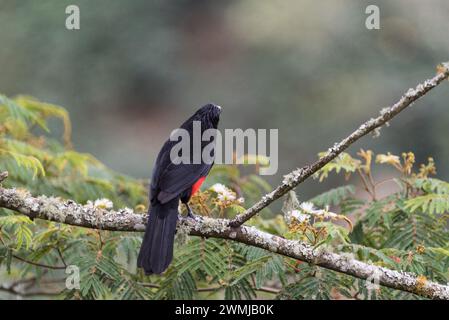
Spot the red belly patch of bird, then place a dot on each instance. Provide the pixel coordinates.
(196, 186)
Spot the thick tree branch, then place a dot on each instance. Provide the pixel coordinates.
(294, 178)
(69, 212)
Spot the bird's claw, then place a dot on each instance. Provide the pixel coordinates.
(191, 215)
(195, 217)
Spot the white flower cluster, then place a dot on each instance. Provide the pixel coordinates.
(101, 204)
(307, 209)
(299, 216)
(225, 194)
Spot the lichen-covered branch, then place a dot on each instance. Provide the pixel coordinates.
(69, 212)
(294, 178)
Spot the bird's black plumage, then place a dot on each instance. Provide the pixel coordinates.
(170, 183)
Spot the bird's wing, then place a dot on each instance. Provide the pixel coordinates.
(170, 180)
(178, 178)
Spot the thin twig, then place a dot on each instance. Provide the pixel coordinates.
(294, 178)
(37, 264)
(365, 184)
(3, 175)
(373, 185)
(61, 257)
(72, 213)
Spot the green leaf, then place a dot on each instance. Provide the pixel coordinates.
(334, 196)
(28, 162)
(343, 162)
(430, 203)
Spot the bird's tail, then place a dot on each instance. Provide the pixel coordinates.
(156, 251)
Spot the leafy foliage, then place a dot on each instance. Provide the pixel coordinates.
(334, 196)
(404, 230)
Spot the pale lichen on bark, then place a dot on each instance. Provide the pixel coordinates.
(294, 178)
(88, 216)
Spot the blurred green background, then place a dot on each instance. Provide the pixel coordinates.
(136, 69)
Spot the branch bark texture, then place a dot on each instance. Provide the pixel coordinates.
(294, 178)
(70, 212)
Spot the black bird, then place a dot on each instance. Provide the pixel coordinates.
(170, 183)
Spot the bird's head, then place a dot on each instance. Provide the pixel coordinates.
(211, 112)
